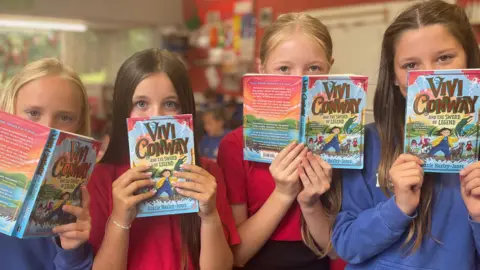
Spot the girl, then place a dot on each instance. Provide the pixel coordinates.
(268, 202)
(393, 215)
(150, 83)
(49, 93)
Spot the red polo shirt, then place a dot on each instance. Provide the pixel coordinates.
(251, 183)
(154, 241)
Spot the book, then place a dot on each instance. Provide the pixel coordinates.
(442, 118)
(41, 170)
(325, 112)
(164, 143)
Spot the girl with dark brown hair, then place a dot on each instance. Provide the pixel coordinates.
(393, 215)
(154, 83)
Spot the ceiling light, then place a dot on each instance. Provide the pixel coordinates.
(43, 25)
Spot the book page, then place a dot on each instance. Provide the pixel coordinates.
(21, 145)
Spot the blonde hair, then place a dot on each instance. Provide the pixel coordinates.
(289, 23)
(42, 68)
(276, 33)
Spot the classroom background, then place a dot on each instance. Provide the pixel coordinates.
(217, 39)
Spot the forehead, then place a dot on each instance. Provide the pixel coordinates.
(297, 48)
(156, 85)
(425, 41)
(52, 92)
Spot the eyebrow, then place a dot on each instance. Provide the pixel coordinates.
(437, 53)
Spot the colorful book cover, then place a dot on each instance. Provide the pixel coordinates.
(165, 143)
(271, 114)
(442, 117)
(70, 166)
(28, 154)
(333, 118)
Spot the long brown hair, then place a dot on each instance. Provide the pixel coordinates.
(276, 33)
(134, 70)
(389, 103)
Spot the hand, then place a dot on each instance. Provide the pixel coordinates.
(406, 175)
(123, 189)
(470, 189)
(284, 169)
(316, 177)
(76, 234)
(202, 186)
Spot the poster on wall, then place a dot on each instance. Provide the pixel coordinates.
(20, 48)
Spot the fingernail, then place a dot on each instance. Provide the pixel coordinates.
(149, 173)
(462, 172)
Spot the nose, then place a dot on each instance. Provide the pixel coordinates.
(429, 66)
(157, 111)
(47, 121)
(297, 72)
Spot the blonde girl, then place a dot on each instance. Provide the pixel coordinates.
(294, 199)
(50, 93)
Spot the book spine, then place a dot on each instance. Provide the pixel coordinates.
(302, 125)
(37, 182)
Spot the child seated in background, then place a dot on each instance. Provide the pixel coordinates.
(214, 126)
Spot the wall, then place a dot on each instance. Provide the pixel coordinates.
(138, 12)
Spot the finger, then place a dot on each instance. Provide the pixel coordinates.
(192, 186)
(280, 156)
(195, 169)
(194, 177)
(470, 176)
(75, 235)
(136, 185)
(312, 176)
(191, 194)
(142, 197)
(470, 168)
(85, 197)
(326, 167)
(303, 177)
(411, 165)
(299, 150)
(74, 210)
(407, 158)
(475, 191)
(316, 169)
(70, 228)
(292, 166)
(472, 185)
(131, 176)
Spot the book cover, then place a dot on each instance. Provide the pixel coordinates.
(441, 122)
(165, 143)
(70, 166)
(271, 114)
(29, 151)
(333, 118)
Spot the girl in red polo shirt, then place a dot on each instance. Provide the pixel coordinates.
(276, 206)
(150, 83)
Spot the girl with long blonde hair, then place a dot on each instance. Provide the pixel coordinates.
(50, 93)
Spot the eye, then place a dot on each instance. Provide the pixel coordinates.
(141, 104)
(445, 58)
(283, 69)
(315, 69)
(409, 66)
(172, 105)
(66, 118)
(33, 113)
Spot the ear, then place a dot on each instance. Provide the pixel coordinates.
(258, 62)
(332, 61)
(396, 82)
